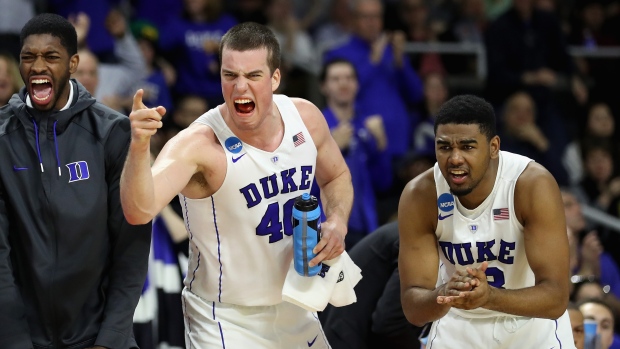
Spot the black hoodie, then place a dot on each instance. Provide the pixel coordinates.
(71, 267)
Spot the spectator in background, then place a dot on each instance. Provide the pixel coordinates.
(387, 81)
(576, 322)
(588, 259)
(337, 30)
(99, 41)
(599, 128)
(467, 28)
(527, 51)
(361, 139)
(191, 44)
(521, 135)
(300, 63)
(417, 27)
(599, 310)
(409, 167)
(187, 109)
(585, 288)
(157, 81)
(435, 94)
(600, 186)
(10, 81)
(110, 83)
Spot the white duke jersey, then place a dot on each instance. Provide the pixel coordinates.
(490, 232)
(241, 236)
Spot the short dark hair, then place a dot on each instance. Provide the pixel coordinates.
(468, 110)
(598, 301)
(252, 36)
(55, 25)
(326, 66)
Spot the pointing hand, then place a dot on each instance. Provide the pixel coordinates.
(144, 121)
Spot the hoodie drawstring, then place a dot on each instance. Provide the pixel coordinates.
(56, 146)
(36, 132)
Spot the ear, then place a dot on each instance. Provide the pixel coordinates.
(494, 147)
(275, 80)
(73, 63)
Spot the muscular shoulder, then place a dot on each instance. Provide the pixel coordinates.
(308, 111)
(419, 198)
(535, 177)
(312, 118)
(535, 184)
(422, 187)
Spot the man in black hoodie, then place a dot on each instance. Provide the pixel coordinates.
(71, 268)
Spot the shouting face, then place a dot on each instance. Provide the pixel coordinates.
(464, 156)
(248, 86)
(45, 67)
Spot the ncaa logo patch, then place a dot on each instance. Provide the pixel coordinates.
(78, 171)
(445, 202)
(233, 144)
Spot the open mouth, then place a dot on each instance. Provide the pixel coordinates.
(458, 176)
(244, 106)
(41, 90)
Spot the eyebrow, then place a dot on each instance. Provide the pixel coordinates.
(248, 73)
(27, 49)
(463, 141)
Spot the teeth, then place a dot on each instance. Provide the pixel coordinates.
(243, 101)
(40, 81)
(458, 172)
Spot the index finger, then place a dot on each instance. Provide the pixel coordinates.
(137, 101)
(320, 252)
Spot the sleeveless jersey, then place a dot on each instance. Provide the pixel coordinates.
(490, 232)
(241, 236)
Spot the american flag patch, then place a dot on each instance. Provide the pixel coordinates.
(298, 139)
(500, 214)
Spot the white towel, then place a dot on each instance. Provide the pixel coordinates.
(334, 285)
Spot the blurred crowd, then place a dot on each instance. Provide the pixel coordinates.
(546, 73)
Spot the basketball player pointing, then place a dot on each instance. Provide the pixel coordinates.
(483, 244)
(238, 169)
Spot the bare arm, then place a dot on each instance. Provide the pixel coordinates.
(145, 191)
(539, 207)
(418, 259)
(334, 179)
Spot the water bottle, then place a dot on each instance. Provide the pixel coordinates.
(306, 233)
(592, 340)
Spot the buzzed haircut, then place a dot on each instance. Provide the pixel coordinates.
(468, 110)
(249, 36)
(54, 25)
(326, 66)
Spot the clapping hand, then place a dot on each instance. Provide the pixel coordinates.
(467, 289)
